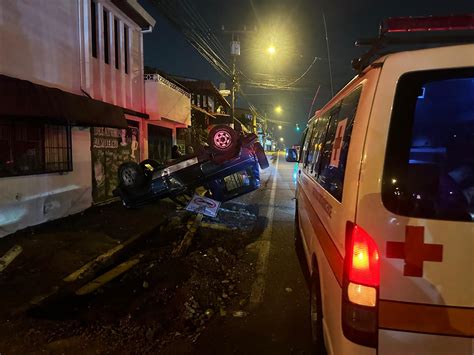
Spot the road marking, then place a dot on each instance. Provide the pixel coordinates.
(258, 287)
(10, 256)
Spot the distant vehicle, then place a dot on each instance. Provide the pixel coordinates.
(385, 198)
(291, 155)
(228, 167)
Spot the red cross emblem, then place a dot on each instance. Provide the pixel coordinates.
(414, 251)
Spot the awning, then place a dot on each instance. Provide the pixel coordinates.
(24, 99)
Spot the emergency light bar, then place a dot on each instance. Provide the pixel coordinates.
(396, 31)
(429, 23)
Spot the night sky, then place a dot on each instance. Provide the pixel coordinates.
(296, 29)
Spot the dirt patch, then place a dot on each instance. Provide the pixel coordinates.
(160, 302)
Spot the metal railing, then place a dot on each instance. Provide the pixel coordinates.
(159, 78)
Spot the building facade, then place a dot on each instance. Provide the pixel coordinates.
(169, 106)
(71, 82)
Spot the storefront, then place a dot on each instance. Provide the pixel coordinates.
(110, 148)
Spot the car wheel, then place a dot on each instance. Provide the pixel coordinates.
(131, 174)
(261, 157)
(316, 315)
(223, 139)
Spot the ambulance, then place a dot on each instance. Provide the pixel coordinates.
(385, 197)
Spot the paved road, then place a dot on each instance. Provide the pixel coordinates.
(279, 319)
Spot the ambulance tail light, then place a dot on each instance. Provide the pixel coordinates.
(360, 287)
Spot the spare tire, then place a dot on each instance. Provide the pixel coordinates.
(131, 175)
(261, 157)
(223, 139)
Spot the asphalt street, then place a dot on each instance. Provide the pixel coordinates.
(278, 321)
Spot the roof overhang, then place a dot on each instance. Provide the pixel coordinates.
(24, 99)
(135, 12)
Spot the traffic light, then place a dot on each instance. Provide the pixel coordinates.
(297, 127)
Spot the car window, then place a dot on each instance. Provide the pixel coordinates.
(429, 162)
(336, 145)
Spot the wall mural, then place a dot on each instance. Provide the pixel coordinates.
(110, 148)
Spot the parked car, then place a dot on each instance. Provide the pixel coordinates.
(228, 167)
(385, 197)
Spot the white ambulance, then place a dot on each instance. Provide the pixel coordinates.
(385, 198)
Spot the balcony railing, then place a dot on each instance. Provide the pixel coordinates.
(159, 78)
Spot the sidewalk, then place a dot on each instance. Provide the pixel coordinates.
(53, 250)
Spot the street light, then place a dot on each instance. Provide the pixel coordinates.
(280, 127)
(281, 139)
(278, 109)
(271, 50)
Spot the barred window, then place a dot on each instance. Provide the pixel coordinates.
(28, 148)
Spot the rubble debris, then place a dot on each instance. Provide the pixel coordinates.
(239, 314)
(182, 247)
(108, 276)
(9, 256)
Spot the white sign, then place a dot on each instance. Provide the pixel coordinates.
(235, 47)
(338, 143)
(205, 205)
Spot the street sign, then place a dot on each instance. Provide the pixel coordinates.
(206, 206)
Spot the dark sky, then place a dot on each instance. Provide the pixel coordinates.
(297, 30)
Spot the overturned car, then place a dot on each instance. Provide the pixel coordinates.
(228, 167)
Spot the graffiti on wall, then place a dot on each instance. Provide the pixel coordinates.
(110, 148)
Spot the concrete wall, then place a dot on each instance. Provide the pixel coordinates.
(39, 42)
(104, 81)
(165, 102)
(48, 42)
(34, 199)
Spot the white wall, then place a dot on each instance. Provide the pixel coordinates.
(164, 102)
(39, 42)
(34, 199)
(104, 81)
(48, 42)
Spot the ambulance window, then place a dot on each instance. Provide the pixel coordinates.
(429, 162)
(314, 149)
(305, 147)
(336, 145)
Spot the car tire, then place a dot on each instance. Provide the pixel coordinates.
(223, 139)
(316, 315)
(131, 175)
(261, 157)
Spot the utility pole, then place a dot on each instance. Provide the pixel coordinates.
(235, 52)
